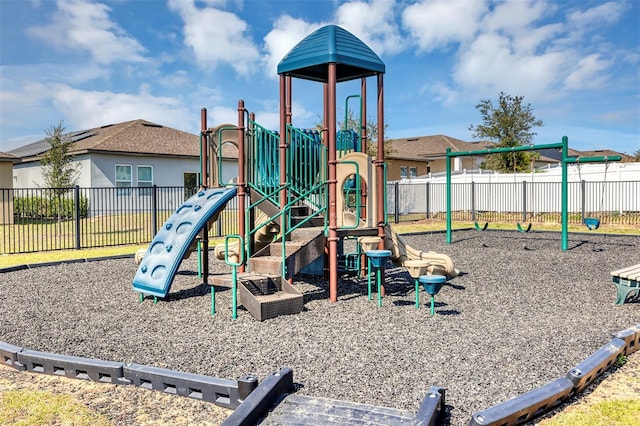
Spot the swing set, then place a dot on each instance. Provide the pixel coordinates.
(593, 223)
(566, 160)
(519, 227)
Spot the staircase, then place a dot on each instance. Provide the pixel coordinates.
(261, 289)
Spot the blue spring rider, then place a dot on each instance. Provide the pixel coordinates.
(432, 285)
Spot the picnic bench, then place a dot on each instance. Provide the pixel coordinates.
(627, 281)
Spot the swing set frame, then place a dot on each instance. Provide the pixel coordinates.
(566, 160)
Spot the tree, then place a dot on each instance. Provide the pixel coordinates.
(508, 124)
(353, 123)
(59, 169)
(636, 155)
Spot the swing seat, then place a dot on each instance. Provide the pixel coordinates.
(521, 229)
(591, 223)
(481, 228)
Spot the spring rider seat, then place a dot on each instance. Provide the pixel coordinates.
(432, 285)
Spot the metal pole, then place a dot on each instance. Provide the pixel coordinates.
(76, 201)
(448, 202)
(332, 182)
(428, 205)
(583, 197)
(473, 201)
(565, 192)
(524, 200)
(154, 210)
(241, 174)
(396, 200)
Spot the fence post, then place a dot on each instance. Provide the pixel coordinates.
(428, 205)
(154, 211)
(76, 202)
(396, 213)
(524, 200)
(473, 201)
(583, 189)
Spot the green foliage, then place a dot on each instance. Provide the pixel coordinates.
(353, 123)
(23, 407)
(53, 206)
(621, 360)
(636, 155)
(59, 169)
(508, 124)
(610, 413)
(371, 126)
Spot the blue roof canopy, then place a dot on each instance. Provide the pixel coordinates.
(331, 44)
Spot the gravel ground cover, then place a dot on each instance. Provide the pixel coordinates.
(521, 314)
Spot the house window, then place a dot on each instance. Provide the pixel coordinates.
(403, 172)
(190, 182)
(123, 179)
(413, 172)
(145, 178)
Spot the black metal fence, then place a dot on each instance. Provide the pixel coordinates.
(45, 219)
(616, 203)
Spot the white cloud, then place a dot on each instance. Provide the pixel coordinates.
(514, 17)
(490, 66)
(217, 37)
(588, 73)
(436, 24)
(286, 33)
(84, 26)
(86, 109)
(607, 13)
(373, 22)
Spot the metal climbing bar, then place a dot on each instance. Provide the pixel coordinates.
(264, 160)
(307, 166)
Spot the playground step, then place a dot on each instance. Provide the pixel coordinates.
(279, 298)
(262, 281)
(305, 410)
(266, 265)
(306, 247)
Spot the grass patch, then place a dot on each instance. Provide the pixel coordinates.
(7, 260)
(610, 413)
(23, 407)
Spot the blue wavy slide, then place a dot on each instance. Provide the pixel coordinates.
(160, 263)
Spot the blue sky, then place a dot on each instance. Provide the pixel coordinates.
(91, 63)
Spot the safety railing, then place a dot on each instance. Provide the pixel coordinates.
(264, 160)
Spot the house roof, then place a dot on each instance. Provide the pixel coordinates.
(425, 147)
(432, 147)
(5, 157)
(598, 153)
(137, 137)
(331, 44)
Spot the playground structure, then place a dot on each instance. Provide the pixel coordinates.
(302, 192)
(590, 222)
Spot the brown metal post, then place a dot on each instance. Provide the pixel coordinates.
(325, 142)
(380, 162)
(241, 176)
(333, 219)
(284, 117)
(204, 151)
(204, 164)
(363, 130)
